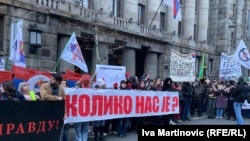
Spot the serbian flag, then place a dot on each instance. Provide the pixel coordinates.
(175, 5)
(17, 55)
(5, 76)
(71, 77)
(34, 77)
(72, 53)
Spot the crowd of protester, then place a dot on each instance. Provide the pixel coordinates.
(203, 98)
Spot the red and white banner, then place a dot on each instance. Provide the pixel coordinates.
(101, 104)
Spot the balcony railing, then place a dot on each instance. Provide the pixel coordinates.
(120, 22)
(47, 3)
(78, 10)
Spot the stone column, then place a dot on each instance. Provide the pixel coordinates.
(63, 65)
(151, 62)
(203, 20)
(172, 24)
(130, 10)
(128, 60)
(152, 7)
(188, 18)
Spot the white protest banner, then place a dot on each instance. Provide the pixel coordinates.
(229, 67)
(101, 104)
(182, 67)
(110, 74)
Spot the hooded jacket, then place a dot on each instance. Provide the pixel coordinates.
(239, 90)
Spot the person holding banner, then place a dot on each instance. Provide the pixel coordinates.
(66, 127)
(122, 123)
(167, 86)
(99, 124)
(53, 91)
(81, 128)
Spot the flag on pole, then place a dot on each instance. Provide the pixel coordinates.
(72, 53)
(17, 55)
(202, 67)
(241, 55)
(175, 5)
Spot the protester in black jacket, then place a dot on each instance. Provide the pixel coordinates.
(167, 86)
(238, 99)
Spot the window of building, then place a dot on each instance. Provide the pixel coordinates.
(181, 1)
(232, 39)
(210, 66)
(234, 11)
(196, 6)
(117, 8)
(1, 31)
(162, 21)
(197, 64)
(141, 14)
(195, 32)
(86, 3)
(179, 29)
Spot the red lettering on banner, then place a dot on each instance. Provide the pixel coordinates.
(84, 105)
(20, 129)
(10, 127)
(165, 104)
(1, 129)
(175, 103)
(148, 105)
(71, 106)
(41, 127)
(128, 104)
(139, 104)
(108, 105)
(31, 127)
(51, 123)
(57, 124)
(118, 100)
(155, 104)
(97, 105)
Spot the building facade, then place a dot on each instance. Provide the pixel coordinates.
(138, 34)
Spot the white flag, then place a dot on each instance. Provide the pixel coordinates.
(17, 54)
(72, 53)
(241, 55)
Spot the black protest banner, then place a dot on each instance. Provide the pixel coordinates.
(31, 121)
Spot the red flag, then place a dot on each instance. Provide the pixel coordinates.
(5, 76)
(26, 73)
(71, 75)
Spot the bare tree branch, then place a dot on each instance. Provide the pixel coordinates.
(110, 50)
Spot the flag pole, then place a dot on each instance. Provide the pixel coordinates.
(156, 13)
(57, 62)
(61, 53)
